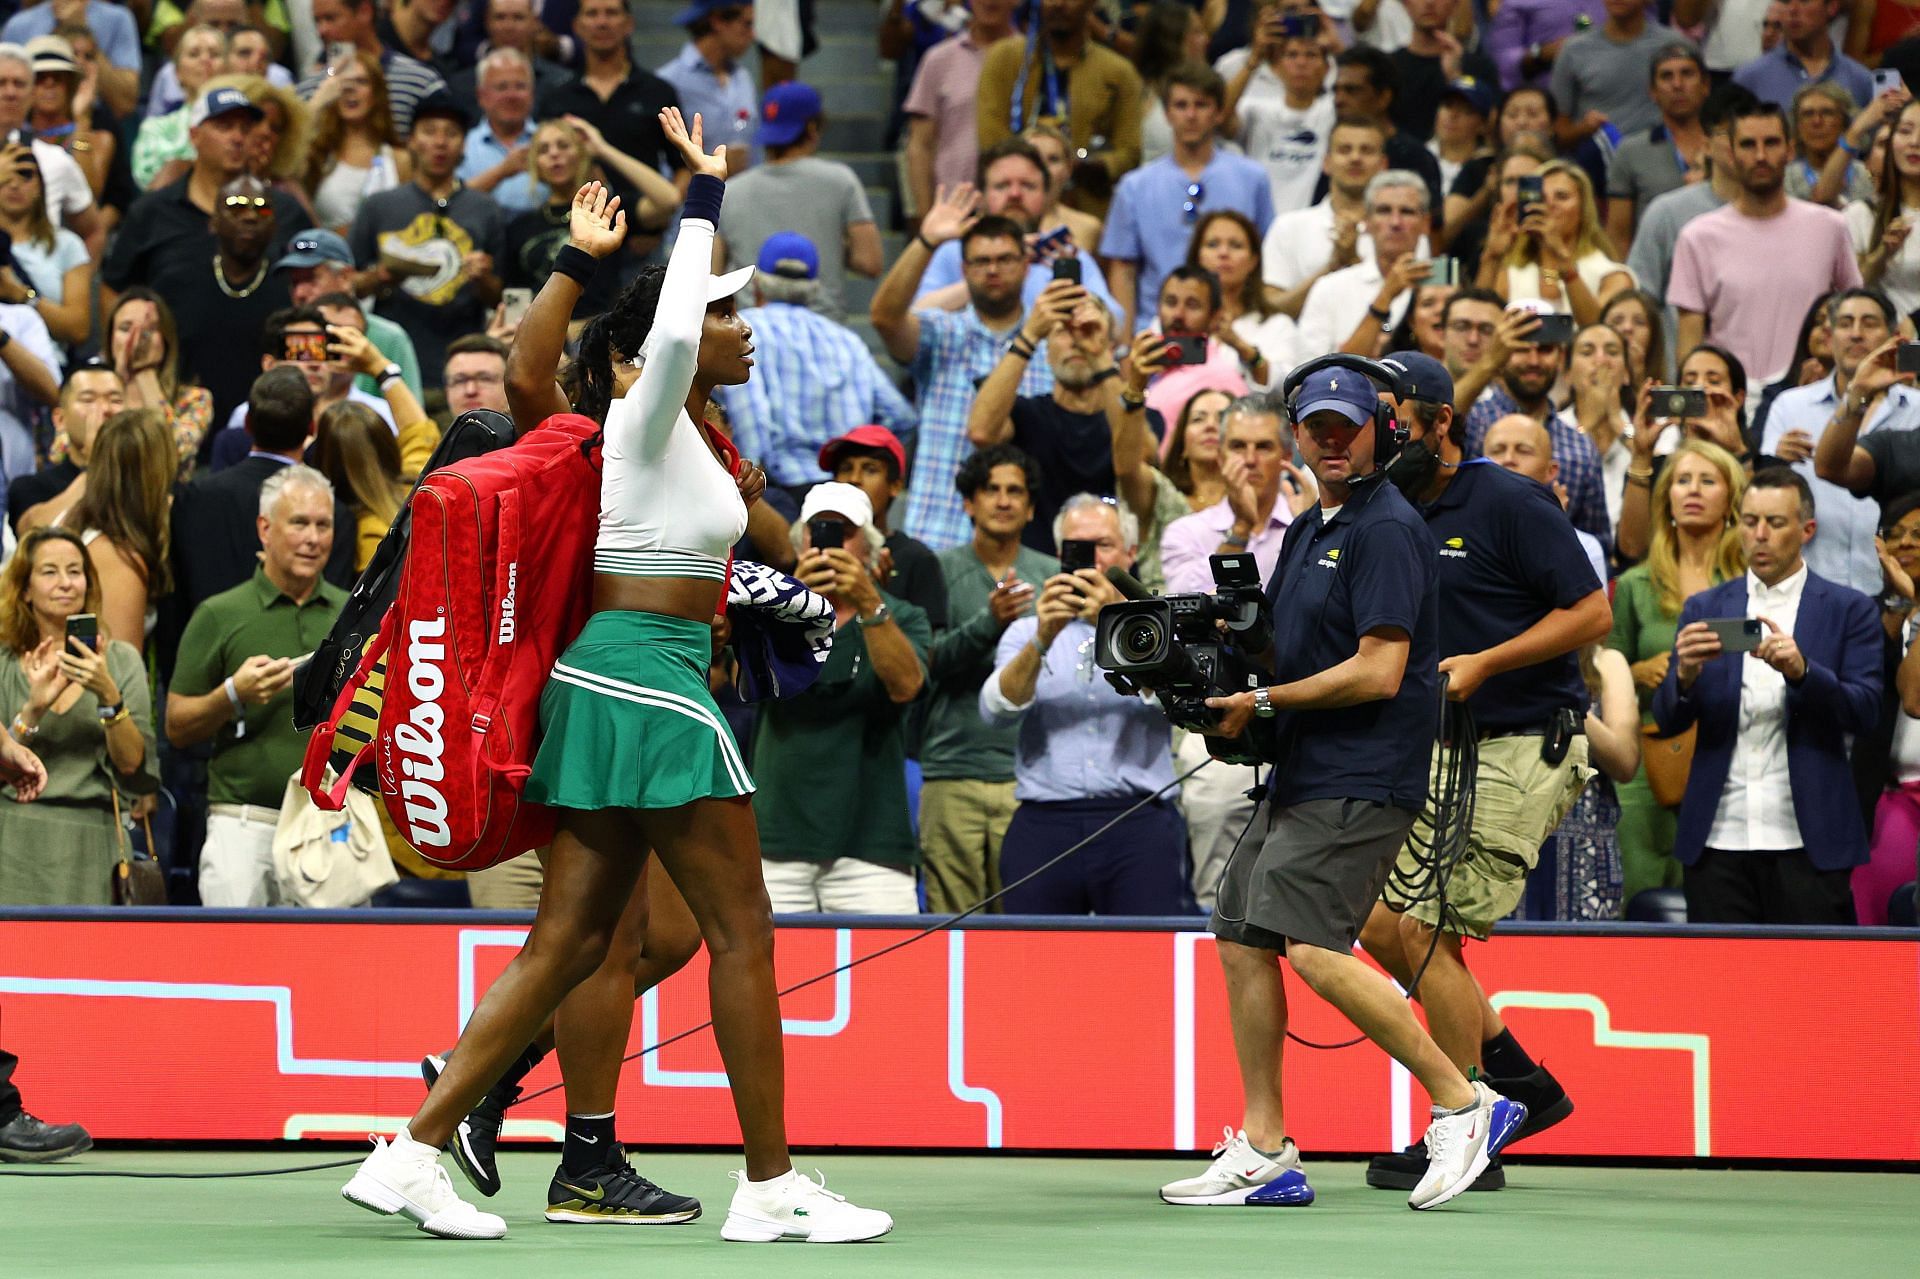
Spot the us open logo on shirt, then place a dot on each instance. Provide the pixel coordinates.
(1454, 548)
(1331, 559)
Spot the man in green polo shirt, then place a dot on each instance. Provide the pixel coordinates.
(966, 799)
(233, 684)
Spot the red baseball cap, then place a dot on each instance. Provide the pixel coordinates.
(866, 437)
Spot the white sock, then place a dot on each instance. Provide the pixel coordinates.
(771, 1182)
(407, 1148)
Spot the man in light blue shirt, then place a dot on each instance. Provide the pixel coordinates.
(1843, 550)
(499, 156)
(1013, 184)
(711, 79)
(1804, 56)
(1157, 207)
(1087, 753)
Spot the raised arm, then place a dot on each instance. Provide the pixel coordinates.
(892, 308)
(597, 227)
(641, 422)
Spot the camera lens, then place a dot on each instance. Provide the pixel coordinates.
(1138, 641)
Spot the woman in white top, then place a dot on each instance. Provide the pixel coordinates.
(1596, 382)
(1883, 231)
(354, 152)
(1265, 338)
(56, 271)
(1562, 256)
(633, 752)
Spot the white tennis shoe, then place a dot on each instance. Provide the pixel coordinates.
(1459, 1147)
(1241, 1176)
(406, 1177)
(797, 1207)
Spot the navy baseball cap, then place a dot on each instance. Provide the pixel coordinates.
(219, 102)
(1470, 91)
(705, 9)
(1418, 376)
(1350, 394)
(441, 103)
(790, 255)
(311, 248)
(785, 112)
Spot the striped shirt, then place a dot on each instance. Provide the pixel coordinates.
(813, 381)
(1580, 472)
(956, 354)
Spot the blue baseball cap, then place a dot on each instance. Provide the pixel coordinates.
(705, 9)
(311, 248)
(1418, 376)
(1472, 92)
(785, 112)
(790, 255)
(1350, 394)
(219, 102)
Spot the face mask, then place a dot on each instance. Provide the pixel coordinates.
(1413, 468)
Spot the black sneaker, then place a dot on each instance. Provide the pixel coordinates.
(1403, 1171)
(475, 1142)
(26, 1140)
(615, 1195)
(1546, 1101)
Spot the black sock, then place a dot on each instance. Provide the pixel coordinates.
(1504, 1058)
(589, 1143)
(522, 1067)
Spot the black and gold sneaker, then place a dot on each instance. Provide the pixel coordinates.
(615, 1195)
(474, 1145)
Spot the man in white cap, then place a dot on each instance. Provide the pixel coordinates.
(835, 834)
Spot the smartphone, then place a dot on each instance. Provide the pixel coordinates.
(1185, 348)
(311, 347)
(1553, 330)
(1906, 358)
(338, 55)
(1679, 401)
(1887, 80)
(1531, 189)
(826, 531)
(1737, 634)
(1067, 269)
(1296, 26)
(1076, 554)
(514, 304)
(1052, 240)
(1443, 270)
(301, 662)
(84, 627)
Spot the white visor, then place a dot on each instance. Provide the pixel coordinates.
(725, 286)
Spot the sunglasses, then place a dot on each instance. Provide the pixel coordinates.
(258, 203)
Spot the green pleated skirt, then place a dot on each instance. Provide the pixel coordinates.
(627, 722)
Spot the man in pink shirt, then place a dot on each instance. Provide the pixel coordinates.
(1190, 307)
(1746, 273)
(943, 145)
(1265, 490)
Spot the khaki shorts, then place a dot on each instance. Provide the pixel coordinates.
(1519, 799)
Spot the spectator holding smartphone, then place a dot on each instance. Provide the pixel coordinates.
(75, 696)
(1086, 752)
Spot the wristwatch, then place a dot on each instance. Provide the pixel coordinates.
(387, 374)
(880, 615)
(110, 714)
(1262, 703)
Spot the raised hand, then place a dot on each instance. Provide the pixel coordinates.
(595, 140)
(692, 144)
(954, 210)
(596, 224)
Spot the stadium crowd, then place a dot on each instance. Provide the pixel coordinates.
(255, 256)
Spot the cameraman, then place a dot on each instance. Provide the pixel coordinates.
(1354, 610)
(1518, 601)
(1086, 752)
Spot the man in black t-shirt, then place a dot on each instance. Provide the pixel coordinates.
(1518, 600)
(1082, 435)
(1430, 62)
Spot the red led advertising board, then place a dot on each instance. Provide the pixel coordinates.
(1670, 1046)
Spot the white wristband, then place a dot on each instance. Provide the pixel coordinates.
(239, 710)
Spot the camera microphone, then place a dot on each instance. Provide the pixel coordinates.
(1129, 585)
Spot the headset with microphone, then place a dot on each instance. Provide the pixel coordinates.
(1389, 433)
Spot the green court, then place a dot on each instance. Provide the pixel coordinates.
(984, 1216)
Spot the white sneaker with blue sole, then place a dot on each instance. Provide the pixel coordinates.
(1459, 1147)
(1242, 1177)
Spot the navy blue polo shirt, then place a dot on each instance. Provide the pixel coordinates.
(1370, 566)
(1508, 556)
